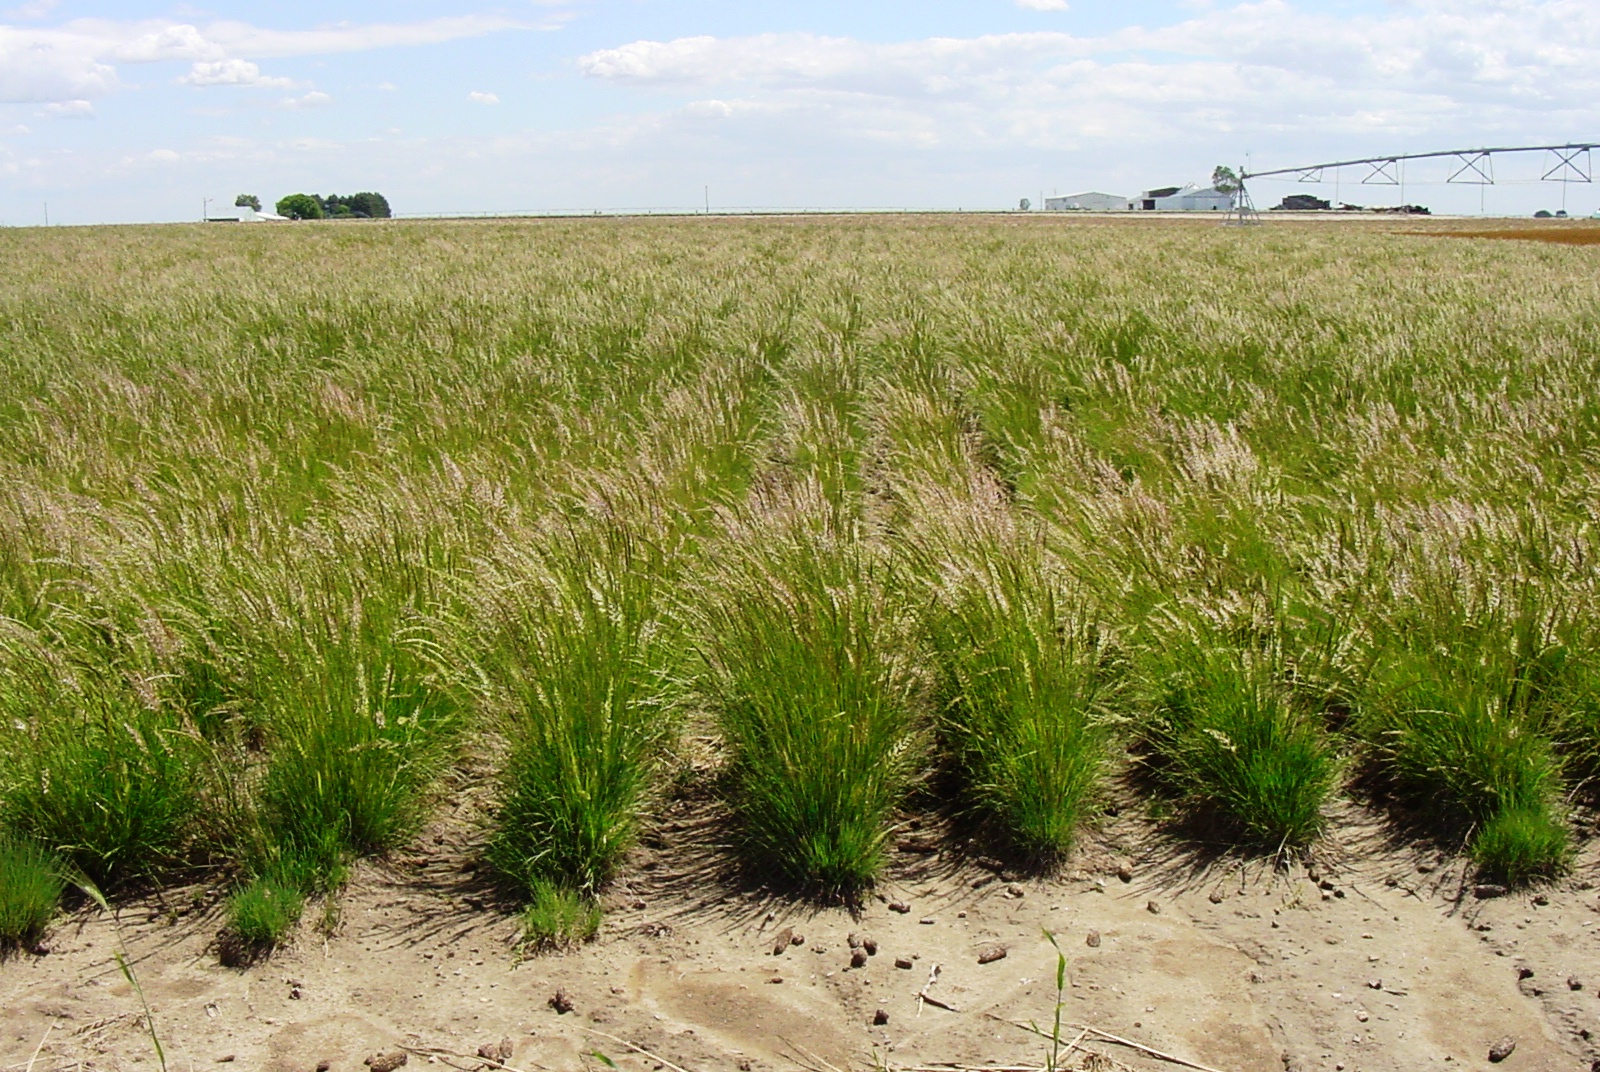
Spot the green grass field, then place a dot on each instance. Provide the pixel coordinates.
(985, 514)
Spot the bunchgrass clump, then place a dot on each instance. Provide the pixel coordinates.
(1520, 845)
(1452, 736)
(575, 662)
(112, 786)
(1022, 693)
(557, 917)
(358, 730)
(264, 910)
(31, 885)
(804, 670)
(1232, 739)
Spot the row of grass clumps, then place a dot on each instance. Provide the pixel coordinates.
(803, 643)
(134, 767)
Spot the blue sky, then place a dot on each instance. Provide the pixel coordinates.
(127, 111)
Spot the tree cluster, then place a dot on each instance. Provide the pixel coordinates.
(362, 206)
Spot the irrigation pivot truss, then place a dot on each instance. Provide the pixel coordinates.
(1571, 162)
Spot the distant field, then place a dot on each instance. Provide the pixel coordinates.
(828, 521)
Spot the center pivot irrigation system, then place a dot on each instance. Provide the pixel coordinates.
(1473, 167)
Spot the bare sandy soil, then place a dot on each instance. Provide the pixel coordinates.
(1374, 958)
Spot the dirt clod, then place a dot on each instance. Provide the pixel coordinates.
(858, 958)
(1574, 983)
(323, 1066)
(1483, 891)
(880, 1017)
(560, 1002)
(1152, 907)
(1502, 1049)
(854, 941)
(499, 1052)
(781, 940)
(1092, 940)
(1524, 972)
(226, 1058)
(870, 945)
(1125, 873)
(903, 963)
(991, 953)
(1217, 897)
(900, 907)
(386, 1061)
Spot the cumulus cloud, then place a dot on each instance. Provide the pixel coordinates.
(1484, 65)
(314, 99)
(37, 9)
(232, 73)
(477, 97)
(1044, 5)
(72, 109)
(77, 59)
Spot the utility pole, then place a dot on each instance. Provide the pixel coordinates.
(205, 209)
(47, 213)
(708, 200)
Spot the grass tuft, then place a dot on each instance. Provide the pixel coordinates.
(813, 700)
(1233, 740)
(264, 910)
(114, 788)
(1519, 845)
(358, 732)
(557, 917)
(31, 885)
(1452, 737)
(1022, 691)
(573, 661)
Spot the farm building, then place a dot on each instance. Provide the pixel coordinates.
(1182, 199)
(1087, 202)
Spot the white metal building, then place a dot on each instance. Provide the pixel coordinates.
(1087, 202)
(1182, 199)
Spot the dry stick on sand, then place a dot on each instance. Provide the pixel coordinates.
(1108, 1037)
(635, 1048)
(820, 1061)
(51, 1026)
(439, 1051)
(924, 996)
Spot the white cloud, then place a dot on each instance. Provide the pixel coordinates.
(76, 59)
(314, 99)
(72, 109)
(1492, 65)
(1044, 5)
(28, 12)
(477, 97)
(242, 39)
(232, 73)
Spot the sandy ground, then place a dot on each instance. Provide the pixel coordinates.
(1374, 958)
